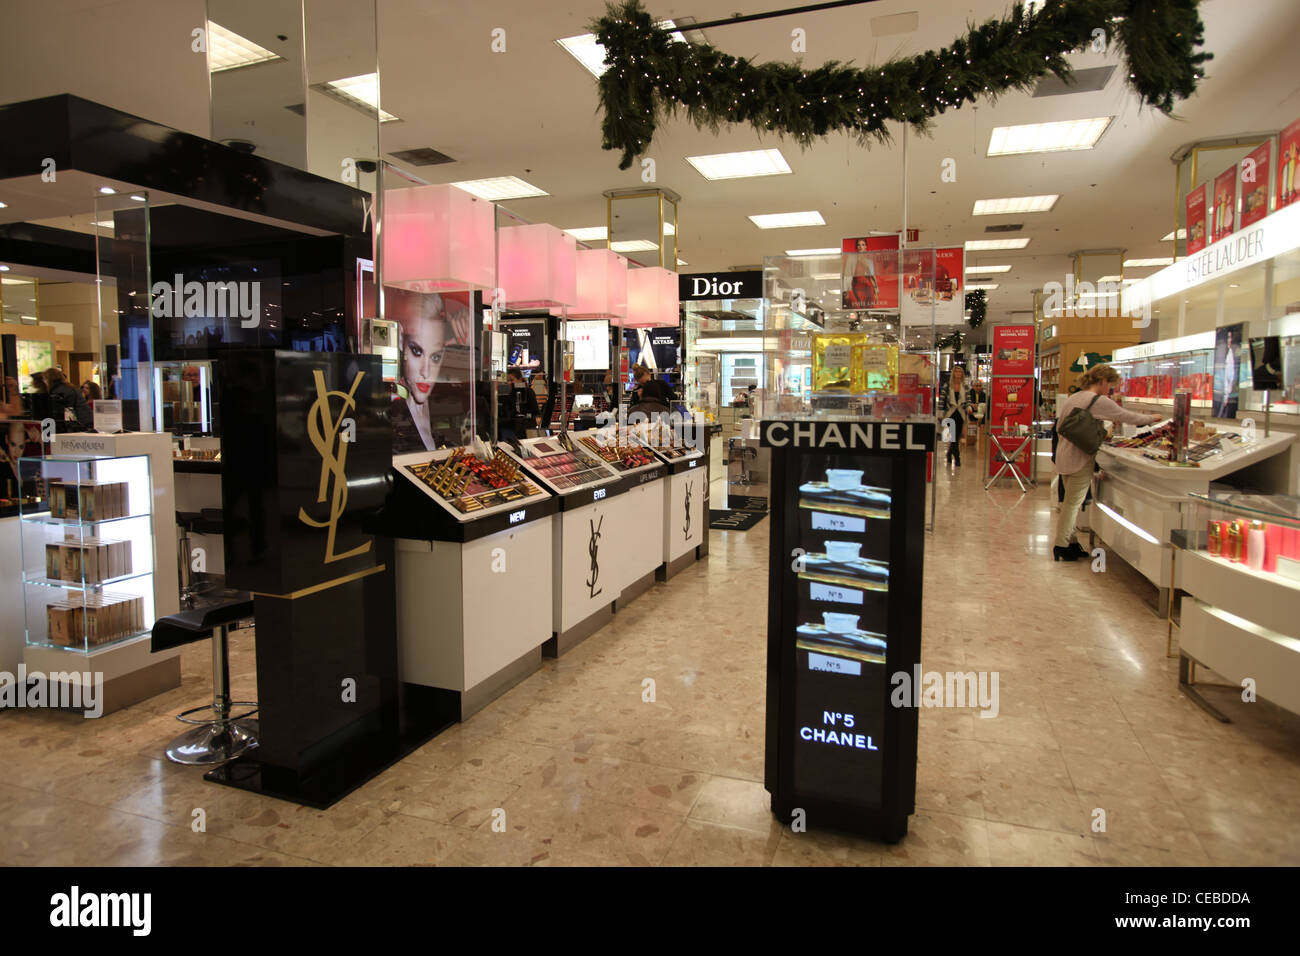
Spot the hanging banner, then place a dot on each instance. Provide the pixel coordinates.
(1288, 165)
(1196, 231)
(932, 287)
(1254, 185)
(1225, 203)
(870, 273)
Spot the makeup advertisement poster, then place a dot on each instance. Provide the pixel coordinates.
(1254, 185)
(526, 344)
(1013, 349)
(431, 408)
(932, 287)
(1288, 165)
(1227, 370)
(1225, 203)
(1197, 234)
(870, 273)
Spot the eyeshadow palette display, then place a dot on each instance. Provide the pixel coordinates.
(618, 450)
(843, 493)
(563, 464)
(665, 443)
(471, 484)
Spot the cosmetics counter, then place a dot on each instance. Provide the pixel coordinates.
(474, 541)
(1142, 497)
(1237, 566)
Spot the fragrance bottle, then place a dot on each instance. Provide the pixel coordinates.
(875, 367)
(832, 355)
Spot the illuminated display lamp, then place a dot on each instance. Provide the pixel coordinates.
(651, 299)
(537, 266)
(602, 285)
(436, 238)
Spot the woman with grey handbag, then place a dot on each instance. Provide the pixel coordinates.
(1080, 432)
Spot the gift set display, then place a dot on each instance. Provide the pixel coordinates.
(849, 363)
(96, 533)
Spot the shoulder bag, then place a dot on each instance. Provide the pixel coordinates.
(1082, 429)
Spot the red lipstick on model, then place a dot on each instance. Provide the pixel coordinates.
(423, 386)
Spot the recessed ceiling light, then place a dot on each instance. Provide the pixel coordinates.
(107, 190)
(360, 91)
(985, 245)
(104, 223)
(589, 233)
(1014, 205)
(137, 197)
(987, 287)
(634, 245)
(754, 162)
(4, 268)
(227, 50)
(591, 54)
(1117, 279)
(828, 251)
(1138, 263)
(1182, 234)
(788, 220)
(501, 188)
(1047, 137)
(4, 205)
(682, 262)
(983, 270)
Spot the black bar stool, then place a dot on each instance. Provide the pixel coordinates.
(206, 521)
(746, 455)
(224, 737)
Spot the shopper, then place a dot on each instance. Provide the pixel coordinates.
(1074, 465)
(67, 405)
(956, 404)
(91, 392)
(521, 411)
(650, 394)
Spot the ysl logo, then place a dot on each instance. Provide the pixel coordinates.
(593, 546)
(686, 528)
(323, 430)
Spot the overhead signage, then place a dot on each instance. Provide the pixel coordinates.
(703, 286)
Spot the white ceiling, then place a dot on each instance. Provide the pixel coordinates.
(531, 112)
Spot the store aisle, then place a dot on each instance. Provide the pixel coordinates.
(577, 766)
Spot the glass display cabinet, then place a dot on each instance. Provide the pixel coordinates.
(88, 559)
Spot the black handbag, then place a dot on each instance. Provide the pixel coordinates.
(1082, 429)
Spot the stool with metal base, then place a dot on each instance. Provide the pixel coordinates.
(747, 455)
(224, 736)
(208, 521)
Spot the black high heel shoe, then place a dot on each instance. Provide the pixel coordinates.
(1079, 550)
(1064, 554)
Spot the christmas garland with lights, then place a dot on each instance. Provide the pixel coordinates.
(977, 303)
(650, 76)
(952, 341)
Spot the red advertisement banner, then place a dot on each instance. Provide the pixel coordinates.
(1013, 349)
(1254, 186)
(1225, 203)
(870, 273)
(1288, 165)
(1197, 234)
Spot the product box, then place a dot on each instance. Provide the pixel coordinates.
(64, 624)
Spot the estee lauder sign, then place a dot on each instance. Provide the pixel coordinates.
(850, 436)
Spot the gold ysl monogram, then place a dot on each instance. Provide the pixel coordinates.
(323, 430)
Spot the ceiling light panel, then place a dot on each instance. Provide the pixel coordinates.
(227, 50)
(1139, 263)
(987, 287)
(591, 54)
(501, 188)
(988, 245)
(788, 220)
(1013, 205)
(362, 91)
(634, 245)
(589, 233)
(988, 270)
(1047, 137)
(754, 162)
(1181, 233)
(828, 251)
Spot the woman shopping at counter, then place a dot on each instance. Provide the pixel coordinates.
(1075, 464)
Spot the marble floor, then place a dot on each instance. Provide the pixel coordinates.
(573, 767)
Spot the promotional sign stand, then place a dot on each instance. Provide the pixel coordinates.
(1013, 401)
(844, 621)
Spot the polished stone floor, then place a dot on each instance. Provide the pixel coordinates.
(573, 767)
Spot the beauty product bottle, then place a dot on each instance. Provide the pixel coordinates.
(1255, 546)
(832, 357)
(1272, 546)
(1236, 540)
(1212, 538)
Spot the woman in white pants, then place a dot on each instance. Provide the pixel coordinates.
(1073, 464)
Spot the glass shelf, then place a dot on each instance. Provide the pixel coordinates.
(43, 581)
(93, 647)
(46, 518)
(1281, 508)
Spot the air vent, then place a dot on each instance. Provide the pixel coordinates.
(1007, 227)
(299, 108)
(1090, 80)
(424, 156)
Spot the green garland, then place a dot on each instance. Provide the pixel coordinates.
(978, 304)
(952, 341)
(650, 77)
